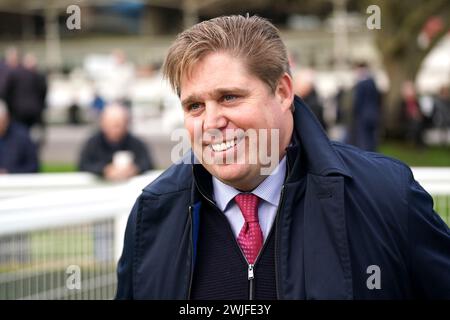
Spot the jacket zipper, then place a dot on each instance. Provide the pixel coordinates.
(191, 276)
(251, 276)
(250, 270)
(250, 267)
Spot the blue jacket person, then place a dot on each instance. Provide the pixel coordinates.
(330, 222)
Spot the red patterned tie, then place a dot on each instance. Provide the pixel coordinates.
(250, 238)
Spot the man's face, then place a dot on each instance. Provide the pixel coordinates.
(220, 95)
(114, 125)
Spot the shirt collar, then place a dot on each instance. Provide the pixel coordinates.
(269, 190)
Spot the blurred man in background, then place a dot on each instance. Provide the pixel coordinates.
(412, 114)
(26, 92)
(441, 113)
(114, 153)
(304, 87)
(344, 118)
(10, 62)
(366, 109)
(17, 151)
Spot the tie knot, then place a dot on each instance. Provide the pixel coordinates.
(248, 203)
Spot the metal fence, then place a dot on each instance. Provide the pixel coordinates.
(75, 262)
(61, 234)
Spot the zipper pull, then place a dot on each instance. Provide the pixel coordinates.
(251, 275)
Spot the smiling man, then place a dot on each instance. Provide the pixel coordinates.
(328, 221)
(224, 103)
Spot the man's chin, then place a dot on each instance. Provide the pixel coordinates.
(230, 174)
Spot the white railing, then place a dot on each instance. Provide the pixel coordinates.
(42, 201)
(435, 180)
(49, 222)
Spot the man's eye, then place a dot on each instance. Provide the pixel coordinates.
(229, 97)
(194, 106)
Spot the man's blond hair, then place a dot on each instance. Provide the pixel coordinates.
(253, 39)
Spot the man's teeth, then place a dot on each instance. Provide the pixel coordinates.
(224, 145)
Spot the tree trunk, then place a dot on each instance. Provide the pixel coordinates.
(402, 22)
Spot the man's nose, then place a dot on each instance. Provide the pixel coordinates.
(214, 117)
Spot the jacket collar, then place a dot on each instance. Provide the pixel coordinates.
(326, 253)
(322, 159)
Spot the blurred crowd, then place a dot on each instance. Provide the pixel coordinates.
(112, 89)
(23, 88)
(23, 91)
(360, 109)
(112, 152)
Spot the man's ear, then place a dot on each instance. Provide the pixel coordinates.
(285, 92)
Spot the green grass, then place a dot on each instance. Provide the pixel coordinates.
(434, 156)
(58, 167)
(55, 244)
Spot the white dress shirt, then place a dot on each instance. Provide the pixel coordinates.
(269, 192)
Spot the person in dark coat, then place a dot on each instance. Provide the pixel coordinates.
(114, 153)
(4, 75)
(412, 116)
(306, 90)
(10, 62)
(366, 110)
(26, 93)
(327, 221)
(441, 114)
(18, 153)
